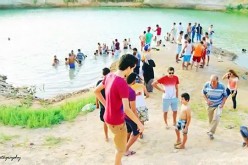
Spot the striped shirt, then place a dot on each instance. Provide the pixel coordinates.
(215, 95)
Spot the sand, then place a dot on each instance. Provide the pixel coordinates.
(82, 140)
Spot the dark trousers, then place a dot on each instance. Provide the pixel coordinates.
(193, 37)
(136, 70)
(228, 91)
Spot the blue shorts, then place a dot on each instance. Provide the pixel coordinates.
(244, 131)
(170, 102)
(181, 125)
(186, 58)
(72, 66)
(131, 127)
(179, 48)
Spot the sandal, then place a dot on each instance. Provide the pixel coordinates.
(177, 143)
(128, 153)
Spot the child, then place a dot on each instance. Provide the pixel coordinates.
(132, 128)
(140, 90)
(183, 122)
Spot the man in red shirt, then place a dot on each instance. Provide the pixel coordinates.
(116, 103)
(170, 93)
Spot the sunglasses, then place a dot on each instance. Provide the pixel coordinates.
(171, 72)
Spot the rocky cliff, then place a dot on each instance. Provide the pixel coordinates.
(196, 4)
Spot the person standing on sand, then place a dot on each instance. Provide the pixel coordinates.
(116, 103)
(140, 91)
(138, 56)
(232, 85)
(132, 128)
(158, 34)
(105, 71)
(183, 122)
(193, 32)
(197, 55)
(179, 45)
(189, 28)
(170, 93)
(187, 52)
(199, 32)
(142, 38)
(215, 95)
(209, 47)
(173, 33)
(149, 36)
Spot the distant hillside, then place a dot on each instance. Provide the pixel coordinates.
(196, 4)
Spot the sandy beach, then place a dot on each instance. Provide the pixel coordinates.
(82, 140)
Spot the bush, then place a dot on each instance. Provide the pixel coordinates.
(240, 6)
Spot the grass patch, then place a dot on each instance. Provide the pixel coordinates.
(199, 110)
(5, 138)
(230, 118)
(44, 117)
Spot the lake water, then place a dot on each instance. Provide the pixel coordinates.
(38, 34)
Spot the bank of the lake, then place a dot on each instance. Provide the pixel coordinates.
(185, 4)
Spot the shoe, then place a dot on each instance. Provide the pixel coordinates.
(211, 136)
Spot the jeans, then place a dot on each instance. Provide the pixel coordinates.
(193, 37)
(198, 37)
(228, 91)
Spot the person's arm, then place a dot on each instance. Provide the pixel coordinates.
(131, 115)
(225, 76)
(133, 107)
(176, 86)
(99, 95)
(188, 119)
(155, 85)
(97, 103)
(205, 96)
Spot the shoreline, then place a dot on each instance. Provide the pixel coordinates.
(171, 5)
(8, 91)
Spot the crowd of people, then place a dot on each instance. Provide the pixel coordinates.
(123, 106)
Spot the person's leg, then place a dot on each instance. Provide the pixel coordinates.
(120, 140)
(234, 99)
(185, 137)
(134, 136)
(174, 107)
(213, 120)
(166, 103)
(105, 127)
(178, 136)
(208, 59)
(165, 118)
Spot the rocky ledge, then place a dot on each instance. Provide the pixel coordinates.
(9, 91)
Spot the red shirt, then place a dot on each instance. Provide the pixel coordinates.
(158, 31)
(116, 89)
(169, 84)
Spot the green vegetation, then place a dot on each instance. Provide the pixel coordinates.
(141, 1)
(239, 9)
(45, 117)
(5, 138)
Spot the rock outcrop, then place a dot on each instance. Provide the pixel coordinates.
(195, 4)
